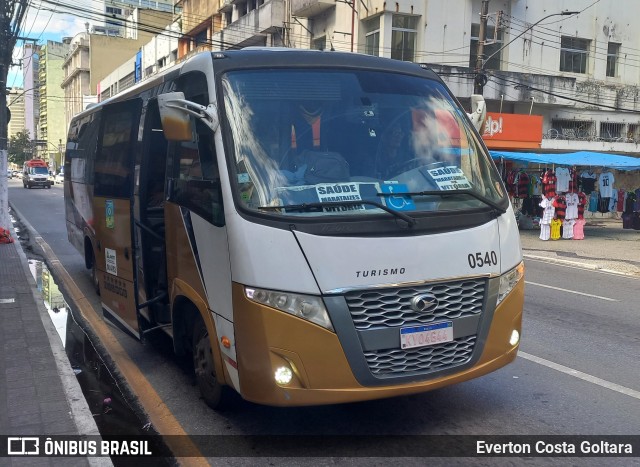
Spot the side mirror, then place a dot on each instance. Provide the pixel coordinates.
(175, 113)
(176, 124)
(478, 114)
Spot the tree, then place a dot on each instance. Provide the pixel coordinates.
(20, 147)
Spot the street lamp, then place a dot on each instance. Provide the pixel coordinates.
(481, 79)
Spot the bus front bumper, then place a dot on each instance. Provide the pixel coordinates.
(268, 340)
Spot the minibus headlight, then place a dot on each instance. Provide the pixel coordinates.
(306, 307)
(509, 280)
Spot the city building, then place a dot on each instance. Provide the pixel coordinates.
(15, 104)
(117, 11)
(30, 74)
(52, 132)
(577, 70)
(93, 56)
(159, 53)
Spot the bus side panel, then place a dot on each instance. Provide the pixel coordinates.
(114, 260)
(197, 254)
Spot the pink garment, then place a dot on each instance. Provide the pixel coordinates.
(578, 229)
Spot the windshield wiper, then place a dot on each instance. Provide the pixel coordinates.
(323, 204)
(445, 193)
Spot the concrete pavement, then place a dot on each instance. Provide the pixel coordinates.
(606, 247)
(39, 392)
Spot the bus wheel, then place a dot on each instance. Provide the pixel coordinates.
(94, 277)
(214, 394)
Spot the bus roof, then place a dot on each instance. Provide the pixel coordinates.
(270, 57)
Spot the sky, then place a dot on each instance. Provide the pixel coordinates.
(43, 23)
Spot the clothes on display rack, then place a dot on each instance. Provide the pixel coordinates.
(587, 181)
(556, 224)
(605, 184)
(578, 229)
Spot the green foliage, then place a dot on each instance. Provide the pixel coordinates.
(20, 147)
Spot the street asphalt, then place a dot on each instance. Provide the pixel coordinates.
(39, 393)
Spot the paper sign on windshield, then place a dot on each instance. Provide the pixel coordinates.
(450, 178)
(340, 192)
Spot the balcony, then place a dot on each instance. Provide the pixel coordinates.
(252, 27)
(310, 8)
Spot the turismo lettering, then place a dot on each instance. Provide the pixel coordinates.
(380, 272)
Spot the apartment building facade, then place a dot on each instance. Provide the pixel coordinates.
(52, 132)
(580, 72)
(93, 56)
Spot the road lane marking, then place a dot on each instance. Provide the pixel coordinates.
(583, 376)
(573, 291)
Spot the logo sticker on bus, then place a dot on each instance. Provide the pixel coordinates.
(109, 214)
(400, 202)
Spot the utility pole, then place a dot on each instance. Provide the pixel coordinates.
(480, 79)
(11, 15)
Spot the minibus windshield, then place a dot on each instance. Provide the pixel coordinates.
(334, 137)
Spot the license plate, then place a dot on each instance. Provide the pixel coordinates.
(421, 336)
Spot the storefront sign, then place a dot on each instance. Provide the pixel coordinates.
(512, 131)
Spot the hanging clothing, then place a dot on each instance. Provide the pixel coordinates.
(548, 211)
(578, 229)
(573, 180)
(605, 183)
(545, 231)
(567, 228)
(573, 201)
(593, 201)
(603, 205)
(556, 224)
(582, 203)
(622, 195)
(613, 201)
(587, 182)
(562, 179)
(560, 203)
(535, 186)
(549, 183)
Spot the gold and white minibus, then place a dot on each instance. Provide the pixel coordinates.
(313, 227)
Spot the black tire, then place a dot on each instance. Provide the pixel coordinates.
(215, 395)
(94, 276)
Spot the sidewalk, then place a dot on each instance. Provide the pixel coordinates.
(606, 246)
(39, 392)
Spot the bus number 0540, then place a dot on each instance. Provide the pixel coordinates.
(477, 260)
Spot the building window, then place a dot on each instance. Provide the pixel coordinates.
(320, 43)
(372, 36)
(114, 11)
(228, 17)
(574, 53)
(612, 59)
(403, 37)
(492, 47)
(610, 131)
(201, 38)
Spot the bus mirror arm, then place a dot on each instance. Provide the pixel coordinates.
(478, 113)
(208, 114)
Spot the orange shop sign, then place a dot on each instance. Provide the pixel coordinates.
(512, 131)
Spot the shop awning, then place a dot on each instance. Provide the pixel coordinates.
(580, 158)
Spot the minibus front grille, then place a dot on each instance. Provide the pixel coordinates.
(438, 357)
(384, 308)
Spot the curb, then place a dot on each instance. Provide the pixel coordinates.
(578, 264)
(80, 410)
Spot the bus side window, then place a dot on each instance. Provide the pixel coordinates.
(197, 185)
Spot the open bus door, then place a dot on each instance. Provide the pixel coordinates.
(112, 207)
